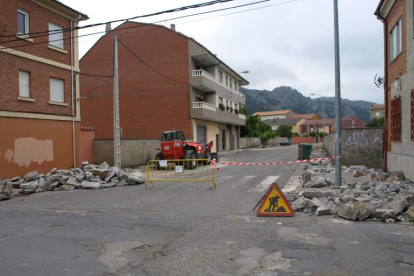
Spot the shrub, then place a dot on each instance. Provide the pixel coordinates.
(221, 106)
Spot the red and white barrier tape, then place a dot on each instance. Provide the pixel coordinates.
(213, 162)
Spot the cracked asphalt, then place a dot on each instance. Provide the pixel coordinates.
(186, 229)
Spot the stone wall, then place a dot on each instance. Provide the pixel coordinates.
(133, 152)
(363, 146)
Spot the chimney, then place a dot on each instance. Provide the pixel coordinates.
(173, 27)
(108, 28)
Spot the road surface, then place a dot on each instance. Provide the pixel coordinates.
(186, 229)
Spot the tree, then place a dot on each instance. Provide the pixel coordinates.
(375, 122)
(257, 128)
(283, 131)
(243, 110)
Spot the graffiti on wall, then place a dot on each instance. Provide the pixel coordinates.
(361, 139)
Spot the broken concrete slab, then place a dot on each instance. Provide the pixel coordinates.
(90, 185)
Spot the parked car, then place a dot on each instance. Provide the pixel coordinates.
(285, 143)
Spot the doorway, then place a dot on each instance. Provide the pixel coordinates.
(201, 132)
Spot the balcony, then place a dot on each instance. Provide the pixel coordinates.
(207, 82)
(204, 105)
(206, 111)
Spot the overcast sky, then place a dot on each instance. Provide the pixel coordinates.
(290, 44)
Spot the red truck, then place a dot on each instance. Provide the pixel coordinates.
(174, 147)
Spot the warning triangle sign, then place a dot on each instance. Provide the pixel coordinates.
(275, 204)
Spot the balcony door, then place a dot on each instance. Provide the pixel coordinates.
(201, 132)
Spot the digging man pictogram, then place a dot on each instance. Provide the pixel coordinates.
(274, 203)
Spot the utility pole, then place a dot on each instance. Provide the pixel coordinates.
(117, 129)
(338, 151)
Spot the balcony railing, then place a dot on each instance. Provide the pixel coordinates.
(204, 105)
(201, 72)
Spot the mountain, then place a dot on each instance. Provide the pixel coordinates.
(286, 97)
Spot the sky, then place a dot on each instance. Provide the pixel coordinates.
(288, 44)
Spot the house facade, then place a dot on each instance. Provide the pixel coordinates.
(293, 123)
(276, 114)
(311, 116)
(352, 122)
(166, 80)
(39, 114)
(318, 126)
(397, 19)
(377, 111)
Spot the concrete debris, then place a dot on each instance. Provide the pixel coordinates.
(87, 177)
(365, 194)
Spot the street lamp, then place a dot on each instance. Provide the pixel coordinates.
(324, 114)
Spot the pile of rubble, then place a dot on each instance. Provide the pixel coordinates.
(86, 177)
(365, 194)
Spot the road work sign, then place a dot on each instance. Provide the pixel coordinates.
(275, 204)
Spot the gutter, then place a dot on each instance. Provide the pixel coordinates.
(385, 146)
(74, 102)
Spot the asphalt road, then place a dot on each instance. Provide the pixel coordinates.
(182, 228)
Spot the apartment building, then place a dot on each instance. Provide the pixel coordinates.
(397, 18)
(275, 114)
(39, 114)
(377, 111)
(166, 80)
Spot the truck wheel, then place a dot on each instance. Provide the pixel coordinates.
(190, 154)
(157, 164)
(208, 157)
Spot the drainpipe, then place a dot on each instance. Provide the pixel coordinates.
(73, 91)
(384, 21)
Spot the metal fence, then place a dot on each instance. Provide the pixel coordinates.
(194, 170)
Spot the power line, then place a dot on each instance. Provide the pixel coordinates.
(227, 14)
(92, 75)
(134, 88)
(165, 20)
(149, 66)
(205, 4)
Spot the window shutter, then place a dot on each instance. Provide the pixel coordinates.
(56, 38)
(57, 90)
(24, 84)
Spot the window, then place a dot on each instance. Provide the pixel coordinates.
(227, 80)
(22, 22)
(220, 76)
(235, 106)
(220, 100)
(396, 40)
(179, 136)
(412, 115)
(377, 114)
(231, 84)
(57, 88)
(235, 85)
(56, 38)
(24, 84)
(396, 119)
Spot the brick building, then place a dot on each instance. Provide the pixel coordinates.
(167, 80)
(39, 115)
(397, 18)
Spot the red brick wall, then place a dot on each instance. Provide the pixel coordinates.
(398, 66)
(39, 18)
(150, 103)
(39, 86)
(14, 162)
